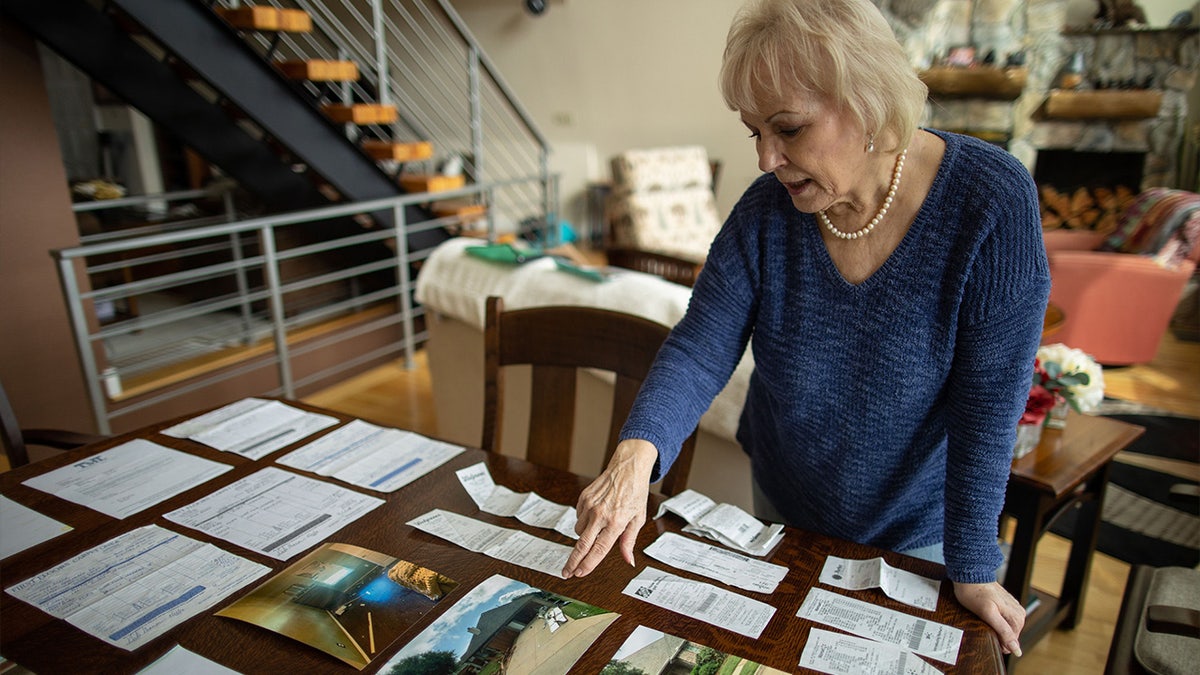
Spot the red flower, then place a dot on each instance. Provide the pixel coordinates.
(1038, 405)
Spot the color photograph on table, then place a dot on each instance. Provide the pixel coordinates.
(347, 601)
(651, 652)
(504, 626)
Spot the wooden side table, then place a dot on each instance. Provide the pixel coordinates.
(1069, 469)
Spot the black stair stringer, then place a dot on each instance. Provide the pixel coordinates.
(92, 41)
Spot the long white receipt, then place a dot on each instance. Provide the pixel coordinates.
(927, 638)
(702, 601)
(838, 654)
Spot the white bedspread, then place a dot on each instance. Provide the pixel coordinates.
(457, 285)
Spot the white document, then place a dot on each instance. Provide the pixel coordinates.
(252, 427)
(21, 527)
(856, 575)
(131, 589)
(699, 600)
(927, 638)
(513, 546)
(725, 523)
(275, 512)
(838, 654)
(370, 456)
(180, 661)
(527, 507)
(718, 563)
(128, 478)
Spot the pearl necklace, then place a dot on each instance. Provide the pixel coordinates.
(887, 203)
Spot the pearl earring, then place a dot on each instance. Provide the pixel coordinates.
(871, 144)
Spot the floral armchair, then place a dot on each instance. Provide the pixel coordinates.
(661, 214)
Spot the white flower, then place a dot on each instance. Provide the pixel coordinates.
(1086, 397)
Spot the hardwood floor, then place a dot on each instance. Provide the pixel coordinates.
(392, 395)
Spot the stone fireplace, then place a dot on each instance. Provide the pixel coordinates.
(1083, 148)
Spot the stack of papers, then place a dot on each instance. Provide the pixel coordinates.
(725, 523)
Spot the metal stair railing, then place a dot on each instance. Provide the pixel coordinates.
(258, 295)
(420, 56)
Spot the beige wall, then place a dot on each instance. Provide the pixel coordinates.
(602, 76)
(38, 366)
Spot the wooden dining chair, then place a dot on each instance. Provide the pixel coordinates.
(556, 342)
(16, 440)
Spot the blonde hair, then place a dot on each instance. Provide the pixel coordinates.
(841, 50)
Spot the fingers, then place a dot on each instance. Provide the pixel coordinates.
(589, 551)
(629, 538)
(998, 608)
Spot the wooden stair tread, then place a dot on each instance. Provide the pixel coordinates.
(360, 113)
(400, 152)
(317, 70)
(417, 182)
(466, 212)
(264, 18)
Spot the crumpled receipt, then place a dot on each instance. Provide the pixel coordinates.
(856, 575)
(725, 523)
(527, 507)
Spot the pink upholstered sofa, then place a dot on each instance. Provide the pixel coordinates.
(1118, 292)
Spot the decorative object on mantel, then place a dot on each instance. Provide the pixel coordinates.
(1101, 104)
(1072, 377)
(979, 82)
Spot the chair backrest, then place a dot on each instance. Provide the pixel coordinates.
(10, 434)
(556, 342)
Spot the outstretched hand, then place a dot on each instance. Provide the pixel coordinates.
(613, 508)
(998, 608)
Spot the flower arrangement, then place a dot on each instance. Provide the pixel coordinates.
(1069, 375)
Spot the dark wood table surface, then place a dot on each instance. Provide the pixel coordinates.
(47, 645)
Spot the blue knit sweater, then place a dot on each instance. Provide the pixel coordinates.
(882, 412)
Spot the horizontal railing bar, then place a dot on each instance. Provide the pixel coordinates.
(252, 364)
(151, 229)
(145, 199)
(323, 213)
(157, 257)
(172, 315)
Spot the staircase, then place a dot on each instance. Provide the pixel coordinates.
(311, 103)
(340, 118)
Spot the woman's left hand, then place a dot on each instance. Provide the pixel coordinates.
(998, 608)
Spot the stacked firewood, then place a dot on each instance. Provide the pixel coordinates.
(1084, 209)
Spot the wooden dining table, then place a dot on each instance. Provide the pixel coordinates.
(44, 644)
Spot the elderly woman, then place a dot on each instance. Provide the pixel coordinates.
(894, 281)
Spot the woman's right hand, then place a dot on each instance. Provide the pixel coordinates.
(613, 508)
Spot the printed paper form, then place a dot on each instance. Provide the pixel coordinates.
(21, 527)
(838, 654)
(252, 427)
(699, 600)
(370, 456)
(528, 507)
(275, 512)
(133, 588)
(718, 563)
(128, 478)
(513, 546)
(927, 638)
(725, 523)
(857, 575)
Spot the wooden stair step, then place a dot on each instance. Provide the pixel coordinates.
(264, 18)
(400, 152)
(317, 70)
(466, 212)
(423, 182)
(360, 113)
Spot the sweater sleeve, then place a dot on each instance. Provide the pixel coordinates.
(999, 329)
(704, 348)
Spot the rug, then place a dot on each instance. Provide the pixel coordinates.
(1141, 522)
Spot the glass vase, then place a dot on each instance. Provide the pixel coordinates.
(1057, 419)
(1028, 437)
